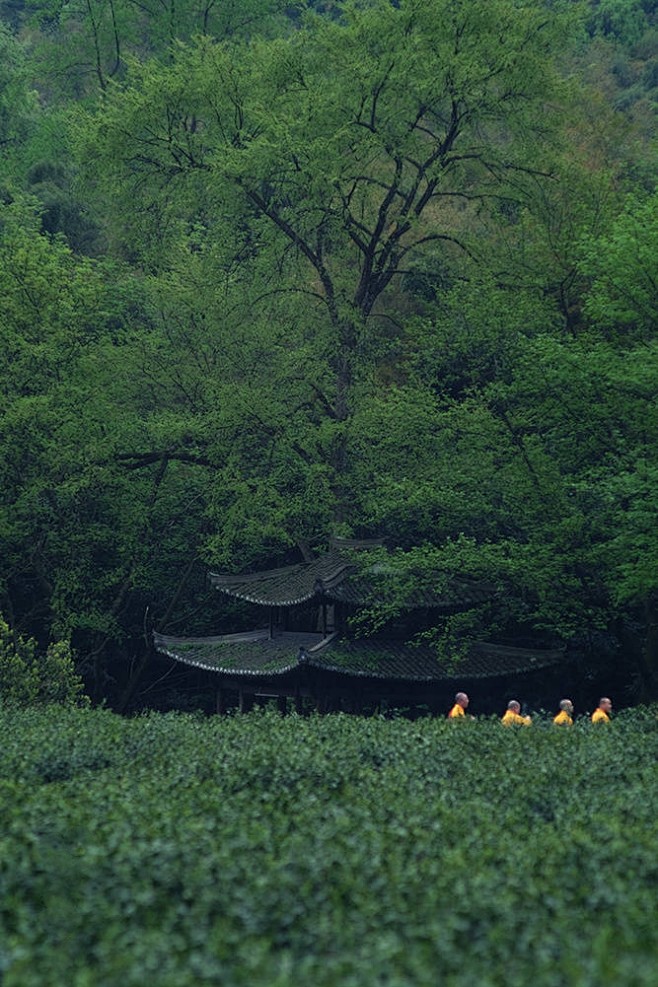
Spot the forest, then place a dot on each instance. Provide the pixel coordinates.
(275, 270)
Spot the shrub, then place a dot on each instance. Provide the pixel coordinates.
(29, 676)
(262, 851)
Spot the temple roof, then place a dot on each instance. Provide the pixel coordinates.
(256, 654)
(336, 576)
(287, 586)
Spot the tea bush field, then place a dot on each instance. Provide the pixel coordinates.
(268, 851)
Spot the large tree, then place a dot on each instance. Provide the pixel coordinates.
(301, 180)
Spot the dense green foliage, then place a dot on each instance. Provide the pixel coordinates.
(28, 677)
(274, 271)
(262, 850)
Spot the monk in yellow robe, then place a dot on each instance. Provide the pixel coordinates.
(602, 712)
(459, 709)
(565, 717)
(512, 715)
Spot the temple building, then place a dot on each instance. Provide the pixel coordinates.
(304, 649)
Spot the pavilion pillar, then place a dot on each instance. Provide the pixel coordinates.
(220, 701)
(246, 701)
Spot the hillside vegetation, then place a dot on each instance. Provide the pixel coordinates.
(271, 272)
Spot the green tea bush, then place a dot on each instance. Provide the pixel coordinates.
(268, 851)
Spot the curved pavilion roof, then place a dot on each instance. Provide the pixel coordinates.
(256, 654)
(336, 576)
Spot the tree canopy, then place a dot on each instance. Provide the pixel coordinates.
(274, 272)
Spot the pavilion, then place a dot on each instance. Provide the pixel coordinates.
(304, 650)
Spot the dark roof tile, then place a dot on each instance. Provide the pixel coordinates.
(258, 654)
(336, 576)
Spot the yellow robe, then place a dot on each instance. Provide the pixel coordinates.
(515, 719)
(563, 719)
(600, 716)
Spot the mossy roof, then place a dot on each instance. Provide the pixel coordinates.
(256, 654)
(336, 576)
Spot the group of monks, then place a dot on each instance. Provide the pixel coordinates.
(512, 715)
